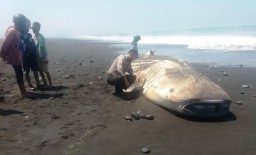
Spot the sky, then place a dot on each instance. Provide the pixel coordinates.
(69, 18)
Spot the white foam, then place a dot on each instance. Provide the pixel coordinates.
(218, 42)
(106, 38)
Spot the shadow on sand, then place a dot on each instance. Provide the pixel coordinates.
(9, 112)
(51, 88)
(226, 118)
(45, 96)
(129, 96)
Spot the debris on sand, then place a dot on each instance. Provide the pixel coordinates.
(245, 86)
(239, 102)
(225, 74)
(135, 116)
(128, 118)
(145, 150)
(140, 114)
(241, 92)
(149, 117)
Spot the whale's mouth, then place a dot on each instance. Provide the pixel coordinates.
(206, 108)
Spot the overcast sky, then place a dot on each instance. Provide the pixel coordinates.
(67, 18)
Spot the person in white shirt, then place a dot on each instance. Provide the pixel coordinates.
(118, 72)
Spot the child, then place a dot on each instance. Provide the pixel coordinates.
(42, 54)
(29, 52)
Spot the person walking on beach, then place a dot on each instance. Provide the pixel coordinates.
(134, 43)
(42, 53)
(29, 53)
(117, 72)
(10, 51)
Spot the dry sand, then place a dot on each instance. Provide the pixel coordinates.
(79, 115)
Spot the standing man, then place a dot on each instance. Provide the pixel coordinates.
(135, 45)
(42, 53)
(117, 72)
(10, 51)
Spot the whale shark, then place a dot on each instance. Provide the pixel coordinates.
(174, 85)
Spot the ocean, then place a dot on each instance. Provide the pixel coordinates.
(223, 46)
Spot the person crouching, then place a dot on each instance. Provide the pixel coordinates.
(117, 72)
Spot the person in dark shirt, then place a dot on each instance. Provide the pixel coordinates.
(135, 45)
(29, 55)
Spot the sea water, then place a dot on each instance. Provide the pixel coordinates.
(233, 46)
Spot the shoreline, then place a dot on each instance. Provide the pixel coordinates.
(81, 116)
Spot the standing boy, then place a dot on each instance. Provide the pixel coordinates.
(42, 53)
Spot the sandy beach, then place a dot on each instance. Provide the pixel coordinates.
(80, 116)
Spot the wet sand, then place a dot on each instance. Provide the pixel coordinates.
(79, 115)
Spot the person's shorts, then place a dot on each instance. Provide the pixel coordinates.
(30, 63)
(42, 66)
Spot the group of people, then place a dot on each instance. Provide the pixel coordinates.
(26, 53)
(120, 73)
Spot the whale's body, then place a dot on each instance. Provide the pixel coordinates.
(174, 85)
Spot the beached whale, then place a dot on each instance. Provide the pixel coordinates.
(174, 85)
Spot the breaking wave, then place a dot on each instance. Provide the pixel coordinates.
(216, 42)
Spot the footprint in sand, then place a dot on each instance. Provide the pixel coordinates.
(64, 127)
(44, 143)
(55, 117)
(68, 136)
(3, 129)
